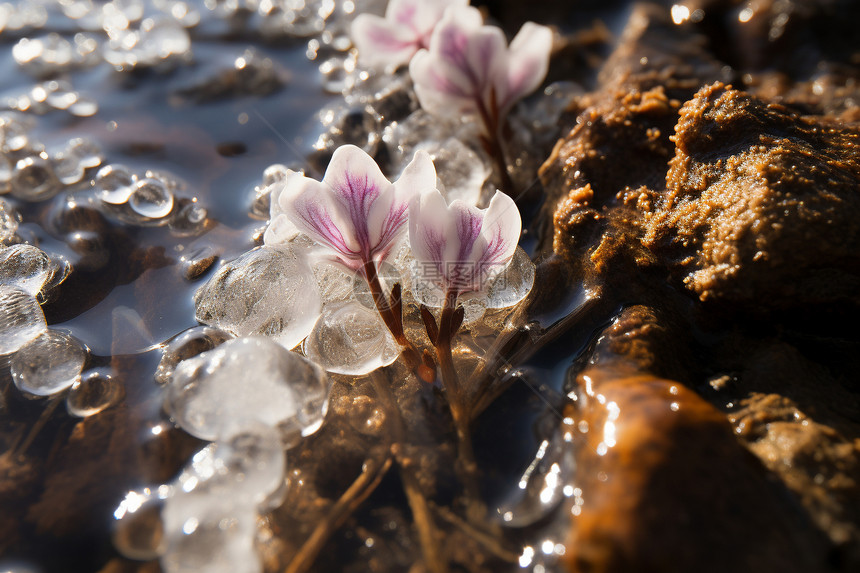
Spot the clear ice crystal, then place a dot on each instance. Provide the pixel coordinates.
(26, 267)
(247, 381)
(114, 184)
(350, 338)
(185, 345)
(343, 124)
(34, 179)
(48, 364)
(461, 170)
(151, 199)
(206, 532)
(138, 532)
(96, 390)
(246, 468)
(21, 318)
(514, 283)
(8, 218)
(268, 290)
(78, 155)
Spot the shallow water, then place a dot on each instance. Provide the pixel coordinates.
(128, 293)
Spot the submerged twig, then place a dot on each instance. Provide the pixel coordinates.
(428, 537)
(373, 472)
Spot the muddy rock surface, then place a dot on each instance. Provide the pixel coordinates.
(707, 188)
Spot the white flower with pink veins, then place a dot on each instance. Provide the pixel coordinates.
(458, 248)
(405, 29)
(355, 214)
(468, 68)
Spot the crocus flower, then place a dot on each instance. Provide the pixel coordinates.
(405, 29)
(468, 67)
(355, 213)
(459, 248)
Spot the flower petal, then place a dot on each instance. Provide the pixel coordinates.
(280, 229)
(388, 214)
(429, 229)
(436, 93)
(381, 42)
(357, 182)
(463, 59)
(500, 234)
(314, 210)
(527, 64)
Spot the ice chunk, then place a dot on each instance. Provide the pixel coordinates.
(8, 216)
(514, 283)
(214, 538)
(21, 318)
(461, 169)
(138, 533)
(114, 184)
(247, 467)
(151, 199)
(26, 267)
(268, 290)
(34, 179)
(185, 345)
(244, 381)
(94, 392)
(343, 124)
(350, 338)
(48, 364)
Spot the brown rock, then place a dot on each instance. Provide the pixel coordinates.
(761, 205)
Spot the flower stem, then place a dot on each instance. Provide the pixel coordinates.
(394, 321)
(475, 509)
(493, 142)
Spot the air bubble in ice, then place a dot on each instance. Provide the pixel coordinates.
(48, 364)
(245, 381)
(350, 338)
(151, 199)
(114, 184)
(21, 318)
(269, 291)
(25, 266)
(96, 390)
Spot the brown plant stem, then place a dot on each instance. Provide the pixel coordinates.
(394, 321)
(373, 472)
(493, 143)
(475, 509)
(428, 537)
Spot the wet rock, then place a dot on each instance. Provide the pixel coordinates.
(628, 120)
(761, 205)
(656, 461)
(799, 418)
